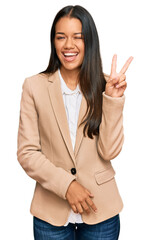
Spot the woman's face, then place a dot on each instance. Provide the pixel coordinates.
(69, 43)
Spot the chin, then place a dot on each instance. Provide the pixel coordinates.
(70, 68)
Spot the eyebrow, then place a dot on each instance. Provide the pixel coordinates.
(64, 33)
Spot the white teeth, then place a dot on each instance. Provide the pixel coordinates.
(70, 54)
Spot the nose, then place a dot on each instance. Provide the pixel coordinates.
(69, 44)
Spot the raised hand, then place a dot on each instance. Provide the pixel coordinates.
(116, 83)
(79, 198)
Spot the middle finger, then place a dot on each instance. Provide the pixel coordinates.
(126, 65)
(79, 208)
(86, 207)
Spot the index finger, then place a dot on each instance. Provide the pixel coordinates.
(125, 67)
(114, 65)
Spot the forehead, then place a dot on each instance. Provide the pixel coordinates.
(68, 25)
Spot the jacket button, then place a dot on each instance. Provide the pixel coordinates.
(73, 171)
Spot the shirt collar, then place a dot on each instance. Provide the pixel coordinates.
(64, 87)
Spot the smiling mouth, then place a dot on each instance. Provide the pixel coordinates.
(70, 54)
(69, 57)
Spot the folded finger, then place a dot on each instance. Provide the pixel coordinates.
(122, 84)
(114, 81)
(122, 78)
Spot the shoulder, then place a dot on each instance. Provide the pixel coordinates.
(37, 78)
(42, 78)
(36, 85)
(36, 81)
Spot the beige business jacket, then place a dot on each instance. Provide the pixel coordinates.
(45, 152)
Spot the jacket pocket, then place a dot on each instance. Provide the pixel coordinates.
(104, 176)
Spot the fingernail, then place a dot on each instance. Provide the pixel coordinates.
(91, 195)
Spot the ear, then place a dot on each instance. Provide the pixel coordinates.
(106, 76)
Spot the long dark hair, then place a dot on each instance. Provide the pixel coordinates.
(91, 77)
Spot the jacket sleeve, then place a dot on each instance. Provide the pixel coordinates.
(111, 134)
(29, 154)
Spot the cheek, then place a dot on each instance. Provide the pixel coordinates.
(82, 47)
(83, 51)
(58, 52)
(57, 47)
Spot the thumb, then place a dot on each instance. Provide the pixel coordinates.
(114, 81)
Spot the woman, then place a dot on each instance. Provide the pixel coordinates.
(70, 128)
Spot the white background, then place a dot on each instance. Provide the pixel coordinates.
(123, 28)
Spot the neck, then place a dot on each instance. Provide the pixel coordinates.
(70, 77)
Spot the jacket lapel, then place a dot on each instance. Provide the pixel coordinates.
(56, 99)
(79, 135)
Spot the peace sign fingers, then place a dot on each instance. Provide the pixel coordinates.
(113, 66)
(116, 83)
(126, 65)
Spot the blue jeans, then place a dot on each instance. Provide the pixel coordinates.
(106, 230)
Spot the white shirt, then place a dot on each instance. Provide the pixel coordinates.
(72, 102)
